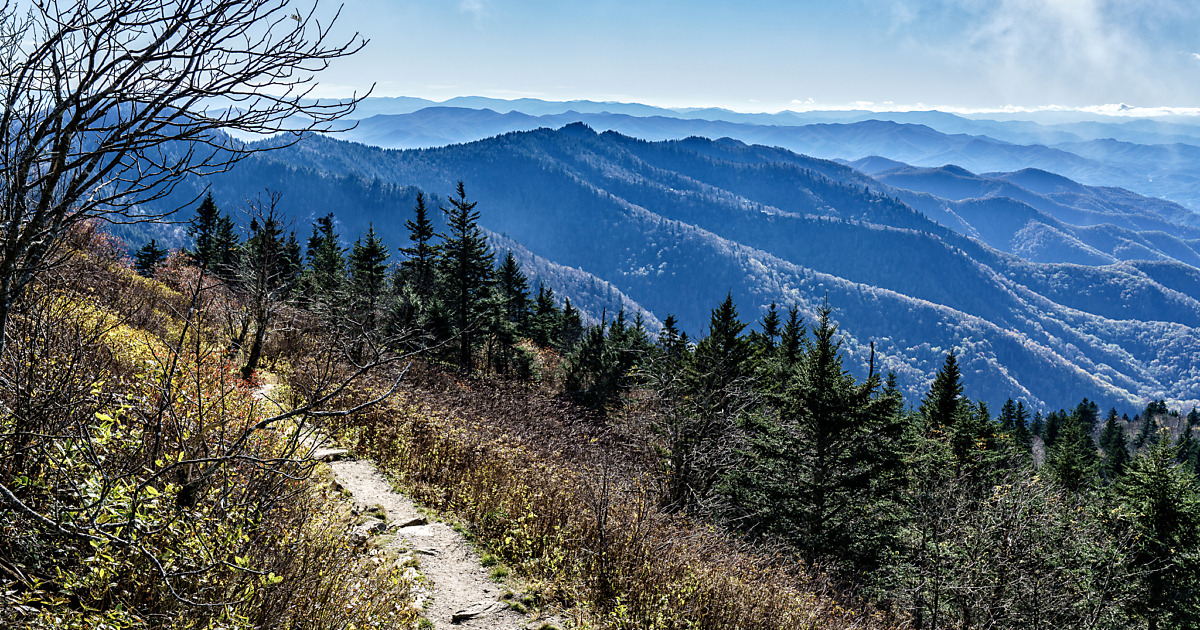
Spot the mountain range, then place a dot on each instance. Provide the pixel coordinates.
(1150, 157)
(1049, 289)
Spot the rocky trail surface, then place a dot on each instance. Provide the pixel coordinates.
(461, 594)
(458, 591)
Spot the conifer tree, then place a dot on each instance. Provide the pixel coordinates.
(202, 229)
(1160, 500)
(1115, 446)
(264, 275)
(514, 293)
(569, 328)
(326, 267)
(148, 257)
(1072, 456)
(792, 338)
(943, 406)
(419, 266)
(368, 279)
(226, 250)
(825, 472)
(544, 321)
(465, 269)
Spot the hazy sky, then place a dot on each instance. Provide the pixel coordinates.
(765, 55)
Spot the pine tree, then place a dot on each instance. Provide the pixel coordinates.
(766, 341)
(943, 406)
(792, 338)
(825, 472)
(419, 268)
(1072, 456)
(368, 279)
(148, 257)
(264, 275)
(569, 328)
(544, 320)
(720, 370)
(326, 267)
(202, 229)
(514, 292)
(1115, 446)
(465, 267)
(226, 250)
(1160, 501)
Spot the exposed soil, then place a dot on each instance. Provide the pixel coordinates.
(458, 582)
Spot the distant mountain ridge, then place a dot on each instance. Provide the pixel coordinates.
(927, 139)
(672, 226)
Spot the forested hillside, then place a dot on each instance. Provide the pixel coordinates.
(676, 225)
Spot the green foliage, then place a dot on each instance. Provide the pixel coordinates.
(149, 257)
(824, 470)
(465, 275)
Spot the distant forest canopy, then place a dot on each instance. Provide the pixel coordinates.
(671, 227)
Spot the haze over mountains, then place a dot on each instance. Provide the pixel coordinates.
(1152, 157)
(1050, 289)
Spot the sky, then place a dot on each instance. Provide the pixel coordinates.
(769, 55)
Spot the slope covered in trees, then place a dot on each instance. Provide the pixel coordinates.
(676, 225)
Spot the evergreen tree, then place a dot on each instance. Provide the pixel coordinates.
(824, 473)
(943, 406)
(368, 279)
(1072, 456)
(1160, 501)
(419, 267)
(1115, 446)
(465, 269)
(720, 371)
(264, 276)
(148, 257)
(226, 250)
(791, 339)
(202, 229)
(569, 328)
(514, 293)
(766, 341)
(544, 321)
(326, 263)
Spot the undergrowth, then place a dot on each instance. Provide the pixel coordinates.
(582, 525)
(138, 492)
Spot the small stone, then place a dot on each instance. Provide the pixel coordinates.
(427, 552)
(414, 522)
(476, 611)
(330, 454)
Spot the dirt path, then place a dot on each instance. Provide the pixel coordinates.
(460, 585)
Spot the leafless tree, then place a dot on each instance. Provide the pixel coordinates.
(108, 104)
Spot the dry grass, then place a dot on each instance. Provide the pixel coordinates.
(569, 505)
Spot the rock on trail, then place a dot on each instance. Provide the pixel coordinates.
(463, 596)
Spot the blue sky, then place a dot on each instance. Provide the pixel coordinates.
(766, 55)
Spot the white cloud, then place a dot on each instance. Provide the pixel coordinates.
(1065, 50)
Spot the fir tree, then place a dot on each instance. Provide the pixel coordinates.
(465, 266)
(326, 267)
(1115, 446)
(943, 406)
(544, 320)
(1161, 503)
(419, 266)
(824, 473)
(202, 229)
(148, 257)
(514, 293)
(368, 279)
